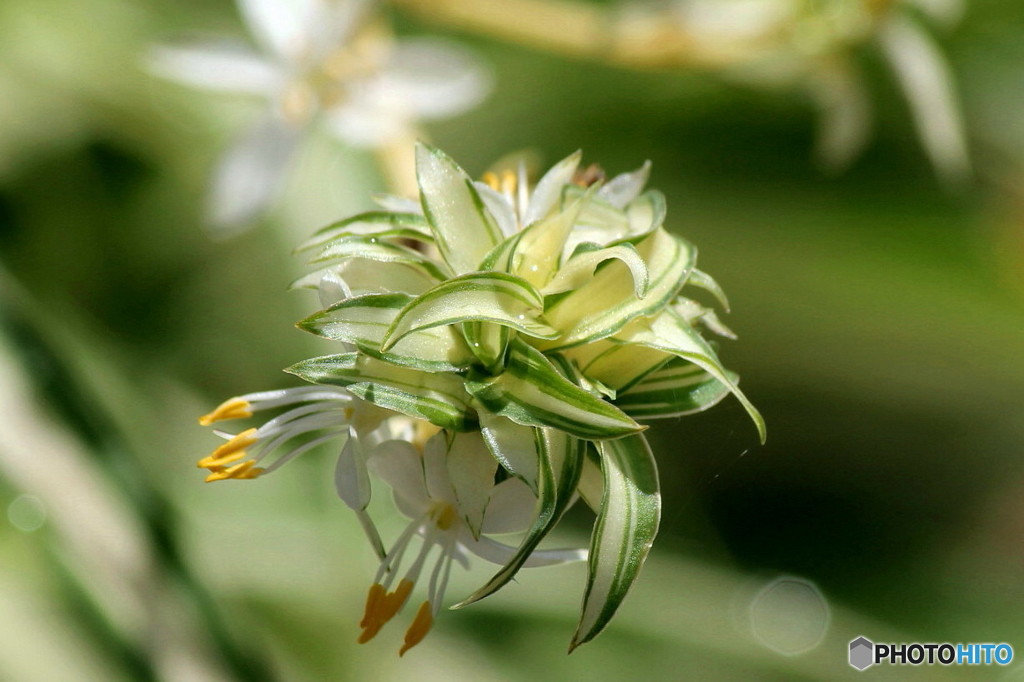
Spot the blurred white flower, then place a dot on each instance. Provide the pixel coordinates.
(318, 62)
(812, 46)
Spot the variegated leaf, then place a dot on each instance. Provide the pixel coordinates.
(623, 533)
(532, 392)
(439, 397)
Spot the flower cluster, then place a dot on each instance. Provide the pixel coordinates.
(318, 62)
(501, 344)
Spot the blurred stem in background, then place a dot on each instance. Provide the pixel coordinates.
(812, 49)
(115, 550)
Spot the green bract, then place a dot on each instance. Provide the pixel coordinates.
(550, 319)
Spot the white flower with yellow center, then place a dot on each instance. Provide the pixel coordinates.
(318, 61)
(448, 492)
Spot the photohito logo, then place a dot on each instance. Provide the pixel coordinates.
(864, 653)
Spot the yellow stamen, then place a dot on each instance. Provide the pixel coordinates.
(232, 451)
(419, 628)
(244, 470)
(234, 408)
(394, 602)
(491, 180)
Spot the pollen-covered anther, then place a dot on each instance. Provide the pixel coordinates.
(381, 606)
(233, 408)
(245, 470)
(229, 452)
(420, 627)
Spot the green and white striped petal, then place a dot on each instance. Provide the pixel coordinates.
(620, 365)
(703, 280)
(625, 528)
(439, 398)
(579, 268)
(369, 224)
(532, 392)
(601, 307)
(380, 250)
(463, 228)
(677, 389)
(539, 251)
(647, 212)
(512, 445)
(492, 297)
(559, 462)
(363, 276)
(364, 321)
(671, 334)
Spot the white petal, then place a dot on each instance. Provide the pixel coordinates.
(216, 66)
(399, 465)
(434, 78)
(845, 118)
(435, 469)
(249, 176)
(928, 87)
(499, 208)
(471, 470)
(511, 509)
(282, 27)
(623, 188)
(367, 119)
(549, 188)
(500, 553)
(351, 478)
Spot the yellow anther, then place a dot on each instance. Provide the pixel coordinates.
(419, 628)
(394, 602)
(491, 180)
(373, 599)
(229, 452)
(234, 408)
(246, 469)
(381, 607)
(508, 182)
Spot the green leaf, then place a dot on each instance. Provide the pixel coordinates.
(440, 398)
(532, 392)
(618, 365)
(559, 462)
(623, 533)
(364, 321)
(369, 224)
(377, 249)
(493, 297)
(606, 303)
(464, 230)
(677, 389)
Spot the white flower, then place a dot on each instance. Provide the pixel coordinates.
(318, 60)
(316, 415)
(450, 496)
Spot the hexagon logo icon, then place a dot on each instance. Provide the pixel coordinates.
(862, 653)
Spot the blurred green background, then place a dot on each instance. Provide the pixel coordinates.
(880, 320)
